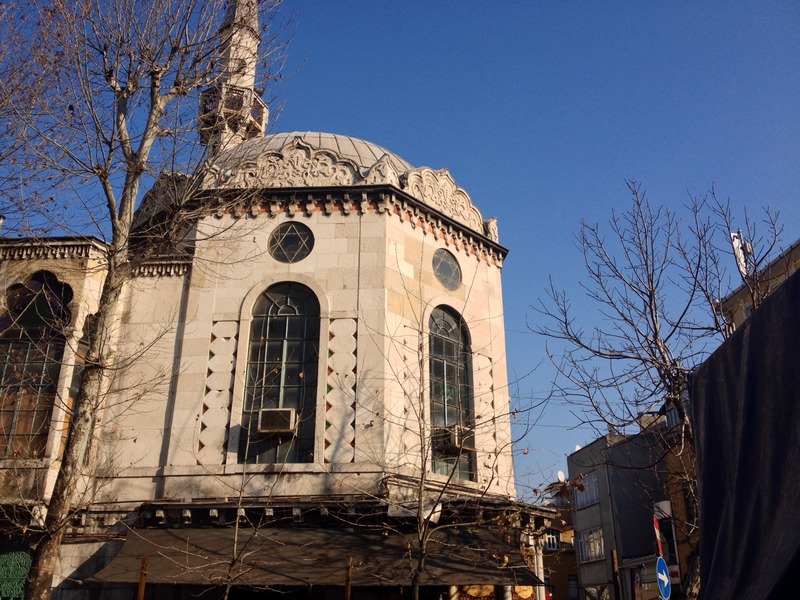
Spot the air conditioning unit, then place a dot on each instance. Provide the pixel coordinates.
(454, 440)
(277, 420)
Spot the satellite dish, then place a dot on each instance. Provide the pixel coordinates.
(561, 477)
(577, 447)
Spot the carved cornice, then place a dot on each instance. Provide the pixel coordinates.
(298, 164)
(382, 172)
(47, 250)
(56, 249)
(439, 190)
(406, 208)
(163, 268)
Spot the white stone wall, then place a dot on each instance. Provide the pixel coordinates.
(372, 273)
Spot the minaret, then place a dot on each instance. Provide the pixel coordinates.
(230, 110)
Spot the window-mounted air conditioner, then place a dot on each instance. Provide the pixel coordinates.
(277, 420)
(455, 439)
(461, 437)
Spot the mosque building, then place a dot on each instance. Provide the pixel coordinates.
(315, 398)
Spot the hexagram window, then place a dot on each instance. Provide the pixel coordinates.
(282, 374)
(446, 269)
(452, 416)
(31, 347)
(291, 242)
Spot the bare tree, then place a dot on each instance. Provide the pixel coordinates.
(450, 485)
(117, 84)
(655, 278)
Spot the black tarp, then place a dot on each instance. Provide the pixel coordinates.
(318, 557)
(746, 408)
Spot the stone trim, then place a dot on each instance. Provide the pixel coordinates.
(299, 164)
(163, 268)
(55, 249)
(439, 190)
(47, 250)
(384, 201)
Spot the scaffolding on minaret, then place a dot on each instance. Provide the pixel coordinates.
(231, 110)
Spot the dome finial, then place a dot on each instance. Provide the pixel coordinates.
(231, 110)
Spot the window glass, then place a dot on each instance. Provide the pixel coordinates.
(291, 242)
(572, 587)
(452, 418)
(589, 494)
(282, 374)
(446, 269)
(590, 545)
(31, 347)
(552, 540)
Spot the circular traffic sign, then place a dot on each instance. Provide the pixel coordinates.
(662, 576)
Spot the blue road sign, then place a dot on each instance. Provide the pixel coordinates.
(662, 576)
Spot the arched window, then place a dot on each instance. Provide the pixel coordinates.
(31, 347)
(279, 412)
(452, 416)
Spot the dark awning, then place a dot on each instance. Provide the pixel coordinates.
(318, 557)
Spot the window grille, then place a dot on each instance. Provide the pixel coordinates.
(451, 396)
(282, 374)
(590, 545)
(31, 348)
(589, 494)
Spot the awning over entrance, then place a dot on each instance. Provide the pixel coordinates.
(318, 557)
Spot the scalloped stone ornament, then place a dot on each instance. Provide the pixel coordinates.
(438, 189)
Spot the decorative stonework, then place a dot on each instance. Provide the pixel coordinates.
(48, 250)
(382, 172)
(340, 397)
(438, 189)
(490, 229)
(297, 164)
(215, 412)
(413, 214)
(163, 268)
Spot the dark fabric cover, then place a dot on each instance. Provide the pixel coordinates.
(318, 557)
(746, 408)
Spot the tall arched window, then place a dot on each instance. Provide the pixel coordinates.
(31, 347)
(452, 413)
(279, 412)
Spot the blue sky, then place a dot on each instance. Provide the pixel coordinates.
(541, 110)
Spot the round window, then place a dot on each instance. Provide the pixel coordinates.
(446, 269)
(291, 242)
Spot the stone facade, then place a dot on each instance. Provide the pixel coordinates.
(173, 424)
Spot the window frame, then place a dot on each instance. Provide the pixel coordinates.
(37, 336)
(591, 545)
(276, 243)
(285, 452)
(590, 494)
(552, 540)
(450, 377)
(573, 589)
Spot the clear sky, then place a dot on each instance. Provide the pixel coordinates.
(541, 110)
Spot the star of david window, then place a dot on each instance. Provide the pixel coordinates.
(291, 242)
(446, 269)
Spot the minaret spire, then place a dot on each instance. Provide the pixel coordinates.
(231, 110)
